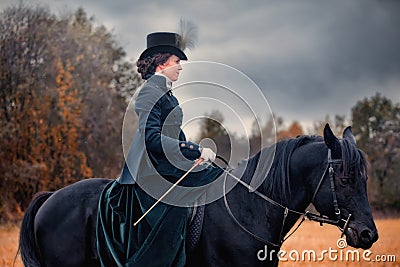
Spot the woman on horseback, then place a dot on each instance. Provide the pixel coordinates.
(159, 155)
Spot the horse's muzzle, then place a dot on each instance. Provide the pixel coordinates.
(363, 238)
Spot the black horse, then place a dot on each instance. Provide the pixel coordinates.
(59, 228)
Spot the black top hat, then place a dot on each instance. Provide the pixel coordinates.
(163, 42)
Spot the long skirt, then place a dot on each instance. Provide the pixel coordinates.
(158, 240)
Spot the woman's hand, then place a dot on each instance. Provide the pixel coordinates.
(207, 154)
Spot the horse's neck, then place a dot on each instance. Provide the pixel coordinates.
(259, 217)
(306, 165)
(306, 168)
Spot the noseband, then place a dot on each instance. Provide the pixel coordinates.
(342, 224)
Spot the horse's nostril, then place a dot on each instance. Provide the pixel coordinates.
(366, 235)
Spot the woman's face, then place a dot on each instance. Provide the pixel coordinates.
(172, 67)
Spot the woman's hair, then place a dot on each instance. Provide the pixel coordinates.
(147, 67)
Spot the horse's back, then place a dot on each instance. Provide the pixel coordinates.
(65, 225)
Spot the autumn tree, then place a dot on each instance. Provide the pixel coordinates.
(292, 131)
(23, 119)
(263, 134)
(212, 127)
(63, 89)
(70, 161)
(376, 125)
(337, 124)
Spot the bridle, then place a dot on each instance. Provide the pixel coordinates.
(342, 224)
(338, 221)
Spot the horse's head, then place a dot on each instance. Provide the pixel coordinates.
(349, 185)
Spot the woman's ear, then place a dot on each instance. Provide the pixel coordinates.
(160, 68)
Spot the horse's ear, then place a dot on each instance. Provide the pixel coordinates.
(332, 142)
(348, 135)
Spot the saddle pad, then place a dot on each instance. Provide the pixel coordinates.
(194, 229)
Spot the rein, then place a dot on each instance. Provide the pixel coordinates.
(342, 224)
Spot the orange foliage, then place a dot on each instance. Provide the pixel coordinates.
(65, 135)
(293, 131)
(41, 141)
(49, 67)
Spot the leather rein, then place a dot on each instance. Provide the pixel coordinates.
(342, 224)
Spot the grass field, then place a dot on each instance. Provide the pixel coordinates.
(310, 236)
(9, 245)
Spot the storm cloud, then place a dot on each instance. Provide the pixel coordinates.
(309, 58)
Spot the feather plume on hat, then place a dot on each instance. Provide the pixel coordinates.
(187, 35)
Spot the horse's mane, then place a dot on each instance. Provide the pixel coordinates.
(354, 161)
(278, 178)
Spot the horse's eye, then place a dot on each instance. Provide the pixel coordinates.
(345, 181)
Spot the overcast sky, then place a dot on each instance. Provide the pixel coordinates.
(309, 58)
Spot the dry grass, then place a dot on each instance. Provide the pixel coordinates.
(8, 245)
(309, 236)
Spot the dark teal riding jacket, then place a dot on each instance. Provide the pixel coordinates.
(160, 146)
(159, 155)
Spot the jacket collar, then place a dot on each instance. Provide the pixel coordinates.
(161, 81)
